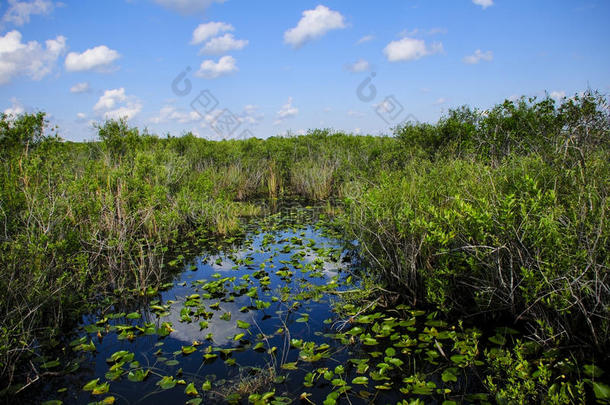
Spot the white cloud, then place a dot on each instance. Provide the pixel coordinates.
(171, 113)
(418, 31)
(251, 115)
(206, 31)
(15, 109)
(437, 31)
(30, 59)
(478, 56)
(19, 12)
(100, 57)
(115, 104)
(224, 44)
(483, 3)
(188, 6)
(287, 111)
(440, 101)
(359, 66)
(211, 70)
(557, 95)
(366, 38)
(313, 25)
(408, 49)
(83, 87)
(355, 114)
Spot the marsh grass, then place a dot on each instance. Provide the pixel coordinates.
(249, 381)
(313, 180)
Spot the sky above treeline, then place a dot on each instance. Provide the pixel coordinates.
(237, 68)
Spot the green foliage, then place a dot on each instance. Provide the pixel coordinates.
(505, 216)
(21, 132)
(502, 212)
(517, 376)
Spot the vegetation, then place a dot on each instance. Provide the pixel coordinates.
(498, 215)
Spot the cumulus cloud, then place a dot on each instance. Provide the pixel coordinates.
(558, 95)
(187, 6)
(171, 113)
(313, 25)
(206, 31)
(366, 38)
(115, 104)
(100, 57)
(19, 12)
(478, 56)
(83, 87)
(287, 111)
(358, 66)
(211, 70)
(30, 59)
(408, 49)
(15, 109)
(483, 3)
(251, 115)
(224, 44)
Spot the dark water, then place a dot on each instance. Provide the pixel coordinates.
(242, 308)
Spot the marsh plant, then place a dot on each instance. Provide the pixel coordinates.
(496, 216)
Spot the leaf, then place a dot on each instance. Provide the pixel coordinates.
(138, 375)
(91, 385)
(290, 366)
(592, 370)
(242, 324)
(458, 358)
(101, 389)
(108, 400)
(167, 382)
(449, 375)
(207, 385)
(370, 341)
(191, 390)
(50, 364)
(360, 380)
(186, 350)
(134, 315)
(194, 401)
(498, 339)
(601, 390)
(120, 355)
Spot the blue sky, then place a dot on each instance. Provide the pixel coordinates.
(270, 67)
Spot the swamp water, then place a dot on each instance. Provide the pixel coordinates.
(268, 320)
